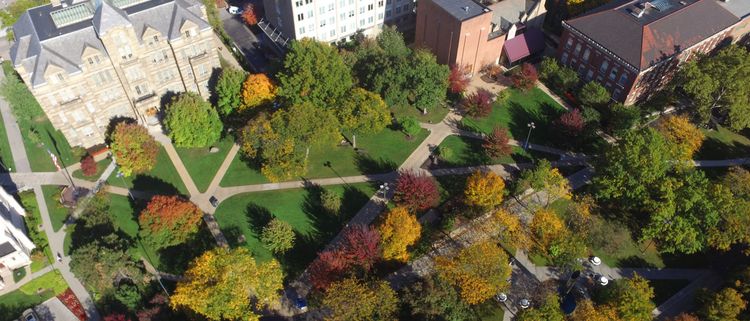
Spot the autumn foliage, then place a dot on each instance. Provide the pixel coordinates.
(116, 317)
(355, 300)
(497, 143)
(685, 139)
(88, 165)
(478, 271)
(358, 247)
(250, 15)
(416, 192)
(478, 104)
(484, 189)
(571, 123)
(70, 300)
(586, 311)
(458, 80)
(169, 220)
(134, 149)
(526, 77)
(257, 90)
(399, 230)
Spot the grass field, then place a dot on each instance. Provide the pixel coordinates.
(434, 115)
(6, 156)
(723, 144)
(162, 179)
(57, 213)
(203, 165)
(515, 113)
(379, 153)
(246, 214)
(31, 294)
(51, 139)
(467, 151)
(100, 167)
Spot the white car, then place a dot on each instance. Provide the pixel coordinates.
(29, 315)
(234, 10)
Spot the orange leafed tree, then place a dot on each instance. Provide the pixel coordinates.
(399, 230)
(586, 311)
(250, 15)
(169, 220)
(257, 90)
(484, 189)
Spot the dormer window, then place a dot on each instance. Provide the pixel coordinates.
(94, 60)
(153, 40)
(188, 33)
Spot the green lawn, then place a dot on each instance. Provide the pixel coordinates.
(100, 167)
(490, 310)
(723, 144)
(467, 151)
(6, 157)
(162, 179)
(665, 289)
(515, 112)
(203, 165)
(434, 115)
(57, 213)
(51, 139)
(379, 153)
(39, 261)
(29, 295)
(246, 214)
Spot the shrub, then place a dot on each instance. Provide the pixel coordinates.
(478, 104)
(548, 68)
(410, 126)
(330, 201)
(571, 123)
(278, 236)
(497, 143)
(525, 78)
(458, 79)
(88, 165)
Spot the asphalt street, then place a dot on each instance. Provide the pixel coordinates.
(245, 41)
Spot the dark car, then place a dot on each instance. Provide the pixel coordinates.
(214, 201)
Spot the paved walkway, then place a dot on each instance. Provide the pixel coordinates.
(12, 287)
(14, 135)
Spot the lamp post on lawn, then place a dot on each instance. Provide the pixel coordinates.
(384, 189)
(531, 126)
(120, 175)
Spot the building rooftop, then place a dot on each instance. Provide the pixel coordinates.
(6, 248)
(644, 33)
(462, 9)
(508, 12)
(740, 8)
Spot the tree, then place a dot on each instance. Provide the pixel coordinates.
(484, 189)
(593, 94)
(192, 121)
(410, 126)
(549, 310)
(725, 305)
(363, 112)
(278, 236)
(416, 192)
(509, 228)
(257, 90)
(227, 90)
(548, 68)
(497, 143)
(478, 104)
(478, 271)
(547, 179)
(632, 299)
(330, 201)
(100, 263)
(458, 79)
(398, 231)
(525, 78)
(354, 300)
(134, 149)
(621, 118)
(88, 165)
(684, 317)
(10, 14)
(428, 80)
(250, 15)
(683, 137)
(571, 124)
(434, 299)
(565, 79)
(169, 220)
(116, 317)
(221, 282)
(719, 85)
(586, 311)
(313, 72)
(359, 248)
(129, 295)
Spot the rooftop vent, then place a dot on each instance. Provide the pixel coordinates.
(466, 8)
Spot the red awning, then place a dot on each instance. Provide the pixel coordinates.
(524, 45)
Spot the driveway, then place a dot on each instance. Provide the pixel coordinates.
(245, 40)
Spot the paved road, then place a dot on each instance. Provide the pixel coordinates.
(245, 40)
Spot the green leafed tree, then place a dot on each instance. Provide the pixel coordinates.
(725, 305)
(363, 112)
(134, 149)
(548, 310)
(313, 72)
(434, 299)
(100, 263)
(192, 121)
(228, 89)
(10, 14)
(428, 81)
(593, 94)
(354, 300)
(633, 299)
(278, 236)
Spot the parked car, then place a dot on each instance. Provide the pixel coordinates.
(29, 315)
(234, 10)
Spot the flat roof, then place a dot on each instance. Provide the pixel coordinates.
(462, 9)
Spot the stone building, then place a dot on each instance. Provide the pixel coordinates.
(88, 62)
(635, 47)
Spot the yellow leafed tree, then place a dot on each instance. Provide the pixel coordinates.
(546, 228)
(478, 271)
(685, 139)
(257, 90)
(484, 189)
(220, 284)
(586, 311)
(399, 230)
(510, 229)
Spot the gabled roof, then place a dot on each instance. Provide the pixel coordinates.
(663, 29)
(108, 16)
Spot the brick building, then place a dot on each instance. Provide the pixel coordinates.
(470, 34)
(634, 47)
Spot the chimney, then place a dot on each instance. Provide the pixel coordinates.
(55, 3)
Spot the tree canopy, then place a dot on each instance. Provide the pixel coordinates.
(134, 149)
(227, 90)
(169, 220)
(398, 231)
(363, 112)
(355, 300)
(192, 121)
(684, 138)
(257, 90)
(479, 271)
(484, 189)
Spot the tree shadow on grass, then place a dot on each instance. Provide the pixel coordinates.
(369, 165)
(521, 116)
(257, 217)
(154, 184)
(234, 236)
(175, 259)
(634, 262)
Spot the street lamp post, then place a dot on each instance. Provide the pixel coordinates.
(531, 126)
(120, 175)
(384, 190)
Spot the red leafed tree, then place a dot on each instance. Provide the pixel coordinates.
(157, 307)
(359, 247)
(69, 299)
(416, 192)
(526, 77)
(496, 144)
(169, 220)
(571, 123)
(478, 104)
(88, 165)
(457, 79)
(116, 317)
(250, 15)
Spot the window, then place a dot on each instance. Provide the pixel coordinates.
(564, 58)
(590, 75)
(623, 79)
(351, 13)
(351, 2)
(322, 23)
(153, 40)
(94, 60)
(581, 70)
(370, 19)
(362, 10)
(343, 29)
(298, 3)
(616, 94)
(398, 10)
(578, 49)
(90, 107)
(604, 66)
(380, 3)
(387, 1)
(202, 70)
(188, 33)
(310, 14)
(141, 89)
(330, 7)
(586, 55)
(569, 44)
(301, 30)
(361, 22)
(60, 76)
(342, 3)
(388, 13)
(333, 32)
(342, 15)
(300, 16)
(308, 1)
(322, 10)
(370, 7)
(380, 16)
(613, 73)
(125, 52)
(78, 116)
